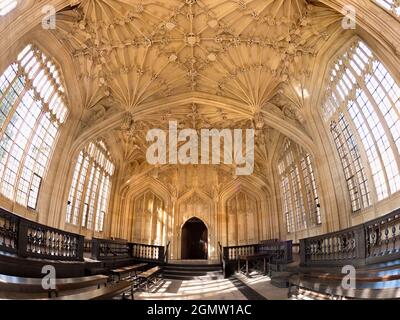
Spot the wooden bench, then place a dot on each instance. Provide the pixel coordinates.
(334, 288)
(254, 258)
(376, 282)
(104, 293)
(147, 277)
(128, 270)
(32, 287)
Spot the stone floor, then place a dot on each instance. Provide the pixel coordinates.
(238, 287)
(194, 261)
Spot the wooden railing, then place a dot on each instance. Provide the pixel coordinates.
(9, 224)
(382, 241)
(146, 252)
(26, 238)
(104, 249)
(87, 246)
(233, 253)
(372, 242)
(281, 250)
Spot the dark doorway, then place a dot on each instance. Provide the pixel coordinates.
(194, 239)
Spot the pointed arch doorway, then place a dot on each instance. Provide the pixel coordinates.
(194, 239)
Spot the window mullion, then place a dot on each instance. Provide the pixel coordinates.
(291, 207)
(72, 190)
(343, 155)
(362, 150)
(368, 97)
(292, 200)
(345, 148)
(385, 128)
(294, 194)
(360, 79)
(98, 202)
(25, 111)
(95, 191)
(10, 87)
(302, 187)
(28, 85)
(76, 190)
(343, 125)
(12, 146)
(106, 200)
(25, 152)
(84, 192)
(13, 109)
(387, 95)
(375, 145)
(96, 162)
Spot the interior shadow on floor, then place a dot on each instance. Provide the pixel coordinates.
(174, 286)
(158, 287)
(248, 292)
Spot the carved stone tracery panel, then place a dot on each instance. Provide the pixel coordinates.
(149, 218)
(242, 219)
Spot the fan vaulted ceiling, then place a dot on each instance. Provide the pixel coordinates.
(203, 63)
(143, 50)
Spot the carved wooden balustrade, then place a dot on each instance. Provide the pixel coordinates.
(383, 238)
(372, 242)
(30, 239)
(8, 232)
(336, 246)
(233, 253)
(26, 238)
(87, 246)
(145, 252)
(280, 252)
(104, 249)
(280, 249)
(49, 243)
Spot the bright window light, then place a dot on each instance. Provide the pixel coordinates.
(32, 110)
(300, 201)
(391, 5)
(6, 6)
(363, 107)
(90, 187)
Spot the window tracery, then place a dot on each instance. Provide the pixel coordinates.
(363, 107)
(90, 187)
(32, 110)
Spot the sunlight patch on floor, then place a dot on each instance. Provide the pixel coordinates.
(223, 289)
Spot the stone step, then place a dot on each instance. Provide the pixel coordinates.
(193, 268)
(193, 277)
(189, 270)
(193, 265)
(192, 271)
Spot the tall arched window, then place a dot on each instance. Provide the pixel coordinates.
(32, 108)
(299, 195)
(6, 6)
(363, 108)
(90, 188)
